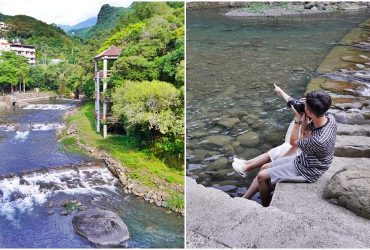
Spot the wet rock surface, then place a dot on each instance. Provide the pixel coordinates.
(101, 227)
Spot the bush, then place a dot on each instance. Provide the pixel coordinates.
(169, 146)
(176, 200)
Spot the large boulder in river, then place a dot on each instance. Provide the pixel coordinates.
(351, 188)
(101, 227)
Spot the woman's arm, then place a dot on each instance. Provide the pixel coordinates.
(281, 92)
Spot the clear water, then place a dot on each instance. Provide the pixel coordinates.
(28, 142)
(232, 64)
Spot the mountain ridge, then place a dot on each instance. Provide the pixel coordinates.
(83, 24)
(106, 20)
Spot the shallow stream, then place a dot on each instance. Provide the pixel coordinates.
(232, 64)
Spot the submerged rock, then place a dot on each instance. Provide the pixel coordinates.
(218, 140)
(350, 189)
(101, 227)
(229, 122)
(249, 139)
(218, 164)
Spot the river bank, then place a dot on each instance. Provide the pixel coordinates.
(140, 173)
(295, 8)
(320, 214)
(20, 99)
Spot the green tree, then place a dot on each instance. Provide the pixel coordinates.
(19, 66)
(8, 74)
(37, 77)
(153, 107)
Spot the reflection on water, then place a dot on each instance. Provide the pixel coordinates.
(231, 67)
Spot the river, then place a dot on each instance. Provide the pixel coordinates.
(33, 189)
(232, 64)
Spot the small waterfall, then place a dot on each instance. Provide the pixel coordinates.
(49, 106)
(31, 127)
(21, 193)
(46, 126)
(21, 136)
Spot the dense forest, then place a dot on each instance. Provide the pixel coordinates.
(151, 36)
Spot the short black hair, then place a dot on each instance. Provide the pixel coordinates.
(318, 102)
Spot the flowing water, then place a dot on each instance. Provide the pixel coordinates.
(232, 64)
(33, 189)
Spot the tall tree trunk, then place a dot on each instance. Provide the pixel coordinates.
(24, 87)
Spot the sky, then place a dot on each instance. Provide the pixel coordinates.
(68, 12)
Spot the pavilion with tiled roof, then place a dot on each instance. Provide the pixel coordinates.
(112, 53)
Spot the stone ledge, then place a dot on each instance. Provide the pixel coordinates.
(355, 130)
(298, 217)
(352, 146)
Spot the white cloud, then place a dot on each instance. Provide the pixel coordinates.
(58, 11)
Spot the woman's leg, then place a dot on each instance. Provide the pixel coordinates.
(256, 162)
(253, 188)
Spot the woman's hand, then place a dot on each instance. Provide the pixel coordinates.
(277, 89)
(281, 92)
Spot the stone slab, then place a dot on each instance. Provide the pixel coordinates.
(358, 130)
(352, 146)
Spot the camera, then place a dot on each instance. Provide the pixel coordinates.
(297, 104)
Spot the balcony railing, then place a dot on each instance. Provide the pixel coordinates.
(101, 73)
(103, 97)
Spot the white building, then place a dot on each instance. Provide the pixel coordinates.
(3, 26)
(22, 50)
(4, 45)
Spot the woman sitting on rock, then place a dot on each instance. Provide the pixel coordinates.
(307, 155)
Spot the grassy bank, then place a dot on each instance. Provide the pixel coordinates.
(142, 164)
